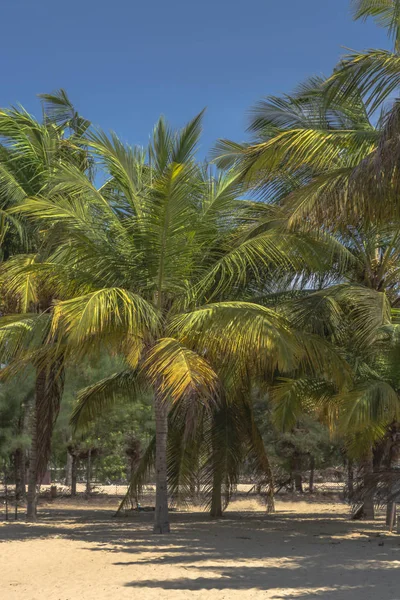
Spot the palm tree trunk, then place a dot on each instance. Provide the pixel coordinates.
(161, 521)
(25, 454)
(19, 468)
(311, 480)
(350, 478)
(390, 515)
(32, 472)
(19, 453)
(49, 387)
(369, 509)
(24, 465)
(88, 471)
(74, 473)
(368, 505)
(298, 480)
(263, 465)
(68, 470)
(217, 449)
(216, 498)
(270, 501)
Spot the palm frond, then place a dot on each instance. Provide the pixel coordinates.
(98, 398)
(139, 478)
(375, 73)
(180, 373)
(366, 412)
(117, 312)
(385, 13)
(59, 109)
(239, 332)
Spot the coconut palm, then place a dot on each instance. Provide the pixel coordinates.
(373, 185)
(304, 150)
(206, 451)
(307, 148)
(374, 72)
(356, 318)
(30, 154)
(149, 261)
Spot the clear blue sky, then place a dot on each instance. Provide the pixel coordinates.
(124, 62)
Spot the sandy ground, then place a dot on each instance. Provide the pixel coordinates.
(304, 550)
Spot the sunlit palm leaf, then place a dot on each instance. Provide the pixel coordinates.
(179, 373)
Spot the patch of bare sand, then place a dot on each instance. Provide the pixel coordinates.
(305, 550)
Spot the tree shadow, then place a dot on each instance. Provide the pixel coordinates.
(317, 556)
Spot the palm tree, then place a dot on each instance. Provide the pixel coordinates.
(304, 150)
(356, 319)
(373, 184)
(30, 154)
(148, 262)
(374, 72)
(206, 449)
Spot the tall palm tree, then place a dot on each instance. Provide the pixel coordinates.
(149, 261)
(31, 152)
(304, 157)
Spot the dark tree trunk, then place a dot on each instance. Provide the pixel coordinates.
(88, 471)
(216, 499)
(297, 475)
(298, 482)
(263, 466)
(49, 386)
(74, 474)
(131, 468)
(390, 515)
(19, 473)
(19, 454)
(161, 520)
(270, 501)
(368, 504)
(311, 480)
(68, 470)
(217, 448)
(133, 451)
(390, 461)
(24, 468)
(350, 478)
(33, 471)
(369, 508)
(192, 491)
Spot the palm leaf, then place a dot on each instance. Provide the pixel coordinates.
(98, 398)
(180, 373)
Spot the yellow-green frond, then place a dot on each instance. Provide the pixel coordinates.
(117, 312)
(179, 373)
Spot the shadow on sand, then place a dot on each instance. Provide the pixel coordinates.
(315, 556)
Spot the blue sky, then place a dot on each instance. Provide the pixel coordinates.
(125, 62)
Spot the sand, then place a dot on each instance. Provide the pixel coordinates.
(304, 550)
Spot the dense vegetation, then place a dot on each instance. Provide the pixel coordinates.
(193, 322)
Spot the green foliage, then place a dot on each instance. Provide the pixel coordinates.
(16, 398)
(110, 433)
